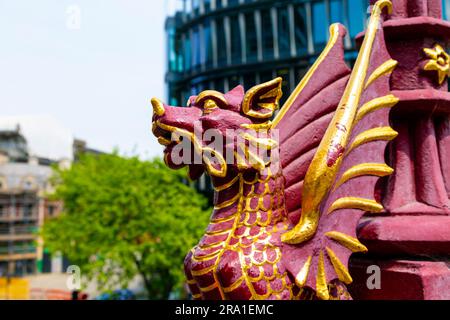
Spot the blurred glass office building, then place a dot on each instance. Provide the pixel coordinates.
(218, 44)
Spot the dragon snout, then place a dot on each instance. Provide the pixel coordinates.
(158, 107)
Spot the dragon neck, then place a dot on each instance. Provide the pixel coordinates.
(257, 198)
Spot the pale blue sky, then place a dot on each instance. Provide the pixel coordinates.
(98, 79)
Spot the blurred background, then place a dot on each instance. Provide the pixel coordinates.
(76, 78)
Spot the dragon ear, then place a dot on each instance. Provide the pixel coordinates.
(261, 101)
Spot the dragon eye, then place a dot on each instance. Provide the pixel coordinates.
(209, 106)
(210, 100)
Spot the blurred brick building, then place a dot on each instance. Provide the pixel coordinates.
(26, 159)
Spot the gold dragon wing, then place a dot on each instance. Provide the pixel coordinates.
(340, 183)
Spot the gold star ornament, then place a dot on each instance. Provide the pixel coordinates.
(439, 61)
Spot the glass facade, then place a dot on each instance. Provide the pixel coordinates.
(251, 43)
(217, 44)
(446, 9)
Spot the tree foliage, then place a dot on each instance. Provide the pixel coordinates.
(124, 217)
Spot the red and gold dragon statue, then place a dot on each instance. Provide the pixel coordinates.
(284, 224)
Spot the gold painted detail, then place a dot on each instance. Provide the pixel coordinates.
(226, 185)
(209, 288)
(266, 143)
(163, 141)
(197, 296)
(228, 202)
(211, 97)
(365, 169)
(265, 96)
(327, 161)
(300, 278)
(255, 249)
(205, 152)
(385, 69)
(339, 268)
(258, 126)
(382, 102)
(213, 244)
(321, 279)
(201, 272)
(439, 61)
(375, 134)
(212, 254)
(253, 151)
(224, 219)
(355, 203)
(225, 244)
(209, 106)
(234, 286)
(347, 241)
(158, 107)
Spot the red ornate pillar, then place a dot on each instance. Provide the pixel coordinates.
(410, 242)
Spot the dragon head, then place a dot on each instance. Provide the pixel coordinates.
(219, 132)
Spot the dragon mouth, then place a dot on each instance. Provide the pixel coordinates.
(164, 136)
(169, 136)
(164, 133)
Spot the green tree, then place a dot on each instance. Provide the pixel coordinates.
(124, 217)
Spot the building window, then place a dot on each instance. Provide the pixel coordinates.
(284, 74)
(320, 25)
(251, 38)
(356, 16)
(267, 34)
(187, 52)
(233, 3)
(266, 76)
(207, 40)
(301, 31)
(207, 5)
(445, 9)
(249, 80)
(196, 48)
(51, 209)
(283, 32)
(174, 51)
(299, 73)
(221, 43)
(233, 82)
(185, 96)
(3, 185)
(236, 52)
(28, 183)
(193, 91)
(219, 85)
(28, 210)
(195, 7)
(173, 94)
(336, 12)
(188, 7)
